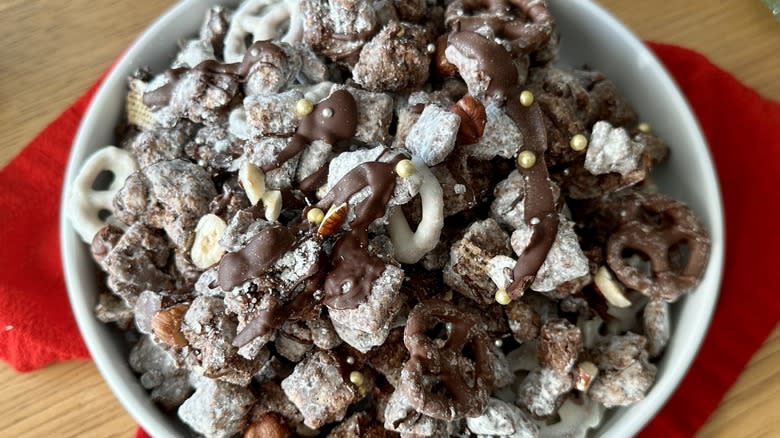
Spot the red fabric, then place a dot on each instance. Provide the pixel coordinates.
(36, 326)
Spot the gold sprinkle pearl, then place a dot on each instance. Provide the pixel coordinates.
(579, 142)
(502, 297)
(526, 98)
(315, 216)
(357, 378)
(304, 107)
(405, 168)
(644, 127)
(526, 159)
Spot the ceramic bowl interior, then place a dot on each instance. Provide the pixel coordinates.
(589, 36)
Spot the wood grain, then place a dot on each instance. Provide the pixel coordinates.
(52, 51)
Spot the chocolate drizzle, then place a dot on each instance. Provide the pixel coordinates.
(354, 269)
(540, 212)
(331, 120)
(237, 71)
(256, 258)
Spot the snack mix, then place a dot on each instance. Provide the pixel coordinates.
(354, 218)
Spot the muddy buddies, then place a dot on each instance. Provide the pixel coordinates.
(391, 218)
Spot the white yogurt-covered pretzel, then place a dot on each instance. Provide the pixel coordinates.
(410, 246)
(264, 20)
(86, 203)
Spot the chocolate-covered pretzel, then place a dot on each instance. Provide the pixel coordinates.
(526, 24)
(655, 227)
(459, 364)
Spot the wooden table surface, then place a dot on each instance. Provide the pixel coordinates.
(51, 51)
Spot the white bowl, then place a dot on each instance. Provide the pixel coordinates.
(589, 35)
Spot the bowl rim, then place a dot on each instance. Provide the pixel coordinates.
(69, 242)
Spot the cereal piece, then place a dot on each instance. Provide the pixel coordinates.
(395, 59)
(293, 341)
(259, 20)
(359, 425)
(273, 400)
(192, 53)
(312, 159)
(111, 308)
(197, 95)
(577, 416)
(338, 30)
(274, 70)
(323, 335)
(612, 150)
(502, 419)
(375, 114)
(565, 261)
(272, 114)
(138, 263)
(502, 369)
(502, 138)
(241, 229)
(466, 272)
(625, 375)
(210, 331)
(401, 417)
(361, 340)
(217, 409)
(147, 305)
(560, 343)
(390, 357)
(85, 203)
(542, 391)
(171, 195)
(168, 384)
(656, 324)
(379, 308)
(524, 322)
(149, 147)
(432, 137)
(216, 147)
(319, 390)
(264, 152)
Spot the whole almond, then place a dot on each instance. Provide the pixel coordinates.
(267, 426)
(445, 68)
(166, 325)
(472, 119)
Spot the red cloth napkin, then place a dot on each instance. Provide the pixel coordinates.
(36, 326)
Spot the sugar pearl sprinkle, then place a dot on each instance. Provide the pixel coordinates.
(526, 159)
(315, 216)
(644, 127)
(430, 48)
(502, 297)
(357, 378)
(579, 142)
(498, 343)
(350, 360)
(526, 98)
(304, 107)
(404, 168)
(327, 113)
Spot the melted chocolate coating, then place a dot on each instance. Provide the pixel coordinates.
(331, 120)
(497, 64)
(256, 258)
(353, 266)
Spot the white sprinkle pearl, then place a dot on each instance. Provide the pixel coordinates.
(430, 48)
(254, 52)
(327, 113)
(350, 360)
(498, 343)
(535, 221)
